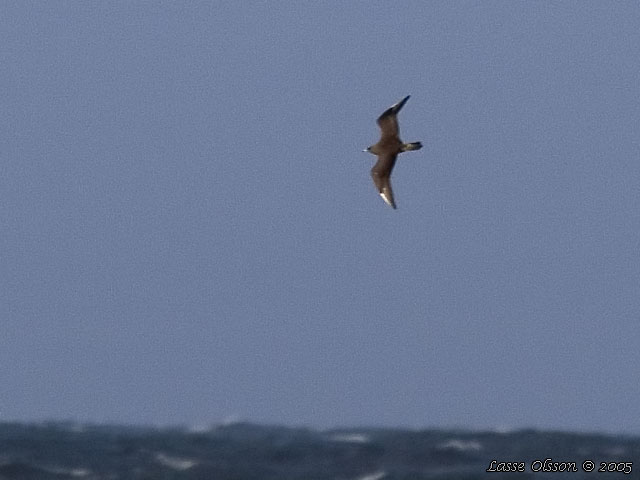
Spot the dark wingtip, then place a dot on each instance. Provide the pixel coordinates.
(407, 147)
(400, 104)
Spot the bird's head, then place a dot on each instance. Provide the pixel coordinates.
(368, 149)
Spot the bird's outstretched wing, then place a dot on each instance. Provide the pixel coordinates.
(381, 174)
(388, 121)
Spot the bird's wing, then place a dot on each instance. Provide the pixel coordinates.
(381, 174)
(388, 121)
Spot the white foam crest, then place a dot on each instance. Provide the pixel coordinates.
(350, 438)
(176, 463)
(373, 476)
(461, 445)
(71, 472)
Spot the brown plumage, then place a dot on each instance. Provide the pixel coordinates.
(387, 150)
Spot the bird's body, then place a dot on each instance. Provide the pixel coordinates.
(387, 150)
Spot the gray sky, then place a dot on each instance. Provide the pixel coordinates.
(189, 231)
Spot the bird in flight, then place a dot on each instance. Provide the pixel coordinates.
(387, 149)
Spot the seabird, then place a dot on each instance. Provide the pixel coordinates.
(387, 149)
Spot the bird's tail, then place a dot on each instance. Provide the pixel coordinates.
(411, 146)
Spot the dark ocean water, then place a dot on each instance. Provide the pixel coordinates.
(245, 451)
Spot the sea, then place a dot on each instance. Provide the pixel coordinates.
(246, 451)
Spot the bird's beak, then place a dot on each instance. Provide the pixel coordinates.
(365, 150)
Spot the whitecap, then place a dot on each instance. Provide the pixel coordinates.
(373, 476)
(461, 445)
(176, 463)
(349, 438)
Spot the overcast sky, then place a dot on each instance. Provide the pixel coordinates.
(189, 232)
